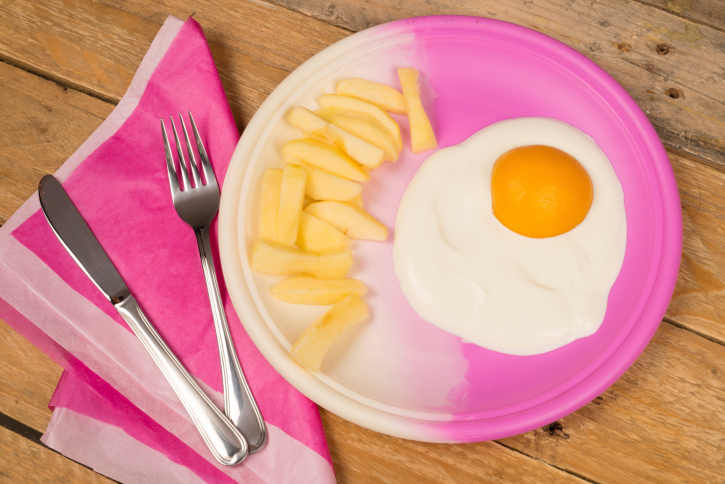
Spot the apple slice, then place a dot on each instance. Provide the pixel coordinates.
(366, 154)
(357, 201)
(345, 102)
(382, 96)
(292, 194)
(422, 137)
(328, 114)
(317, 137)
(330, 158)
(323, 185)
(316, 235)
(316, 128)
(368, 131)
(307, 121)
(311, 348)
(349, 219)
(310, 290)
(269, 219)
(273, 258)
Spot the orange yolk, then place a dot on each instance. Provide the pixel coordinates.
(539, 191)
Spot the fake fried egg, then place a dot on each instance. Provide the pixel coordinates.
(513, 239)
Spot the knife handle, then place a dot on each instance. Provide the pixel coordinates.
(221, 436)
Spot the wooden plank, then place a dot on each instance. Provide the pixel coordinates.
(43, 124)
(96, 47)
(707, 12)
(28, 462)
(362, 456)
(699, 299)
(27, 380)
(28, 377)
(663, 421)
(666, 409)
(255, 43)
(669, 65)
(12, 193)
(662, 410)
(46, 123)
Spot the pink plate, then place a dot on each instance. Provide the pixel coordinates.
(398, 374)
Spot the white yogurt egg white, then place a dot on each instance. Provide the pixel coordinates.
(466, 273)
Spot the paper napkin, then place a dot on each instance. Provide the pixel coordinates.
(113, 409)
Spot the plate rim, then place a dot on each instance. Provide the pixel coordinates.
(570, 400)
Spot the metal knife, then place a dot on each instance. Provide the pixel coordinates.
(224, 439)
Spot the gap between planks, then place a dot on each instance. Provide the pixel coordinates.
(32, 435)
(575, 474)
(49, 76)
(693, 331)
(694, 159)
(673, 11)
(620, 36)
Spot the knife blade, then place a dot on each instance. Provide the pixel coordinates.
(79, 241)
(225, 441)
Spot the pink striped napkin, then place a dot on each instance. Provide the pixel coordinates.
(113, 410)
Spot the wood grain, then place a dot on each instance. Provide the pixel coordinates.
(28, 377)
(667, 408)
(663, 421)
(671, 66)
(44, 123)
(707, 12)
(27, 380)
(96, 47)
(699, 299)
(361, 456)
(24, 461)
(49, 122)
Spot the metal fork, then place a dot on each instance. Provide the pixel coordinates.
(197, 206)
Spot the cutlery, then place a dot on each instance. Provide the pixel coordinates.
(224, 440)
(197, 205)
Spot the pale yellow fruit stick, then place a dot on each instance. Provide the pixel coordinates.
(292, 194)
(307, 121)
(357, 201)
(422, 137)
(323, 185)
(330, 158)
(370, 132)
(273, 258)
(311, 348)
(311, 290)
(382, 96)
(349, 219)
(316, 235)
(316, 128)
(269, 217)
(352, 104)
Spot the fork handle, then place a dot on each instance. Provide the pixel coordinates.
(223, 439)
(239, 404)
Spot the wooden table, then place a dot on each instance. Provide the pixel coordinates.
(64, 64)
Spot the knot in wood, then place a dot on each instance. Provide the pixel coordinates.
(674, 93)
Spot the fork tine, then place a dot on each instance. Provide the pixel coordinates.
(208, 171)
(192, 158)
(173, 180)
(182, 161)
